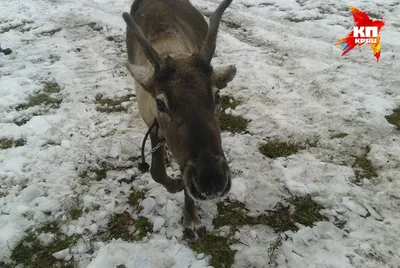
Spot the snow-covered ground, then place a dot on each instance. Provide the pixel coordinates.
(295, 87)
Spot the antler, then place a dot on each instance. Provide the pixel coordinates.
(148, 50)
(208, 48)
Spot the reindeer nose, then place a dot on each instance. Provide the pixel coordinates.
(210, 178)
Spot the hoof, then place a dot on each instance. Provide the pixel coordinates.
(175, 186)
(190, 233)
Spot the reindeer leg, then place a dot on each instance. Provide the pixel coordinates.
(191, 219)
(158, 171)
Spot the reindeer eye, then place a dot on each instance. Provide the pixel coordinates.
(161, 106)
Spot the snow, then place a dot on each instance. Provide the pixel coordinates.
(158, 252)
(295, 86)
(62, 254)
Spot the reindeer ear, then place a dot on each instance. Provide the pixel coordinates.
(223, 75)
(142, 75)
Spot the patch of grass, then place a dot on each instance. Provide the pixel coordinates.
(135, 197)
(375, 15)
(298, 20)
(11, 143)
(143, 226)
(75, 213)
(120, 226)
(231, 24)
(31, 253)
(107, 105)
(339, 136)
(394, 118)
(234, 124)
(43, 97)
(229, 102)
(340, 224)
(307, 211)
(218, 247)
(275, 148)
(49, 227)
(18, 26)
(100, 171)
(363, 168)
(276, 244)
(234, 215)
(6, 29)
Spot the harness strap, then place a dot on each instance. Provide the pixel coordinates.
(144, 167)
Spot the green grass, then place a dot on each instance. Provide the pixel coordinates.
(18, 26)
(143, 227)
(231, 24)
(363, 168)
(43, 97)
(234, 124)
(298, 20)
(135, 197)
(234, 215)
(120, 227)
(307, 211)
(340, 224)
(275, 148)
(11, 143)
(30, 253)
(339, 136)
(99, 172)
(218, 247)
(394, 118)
(9, 28)
(106, 105)
(75, 213)
(375, 15)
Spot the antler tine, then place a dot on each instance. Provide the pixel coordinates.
(148, 50)
(208, 48)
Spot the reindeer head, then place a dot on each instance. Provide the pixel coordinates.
(186, 92)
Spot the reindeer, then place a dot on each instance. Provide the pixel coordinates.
(170, 48)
